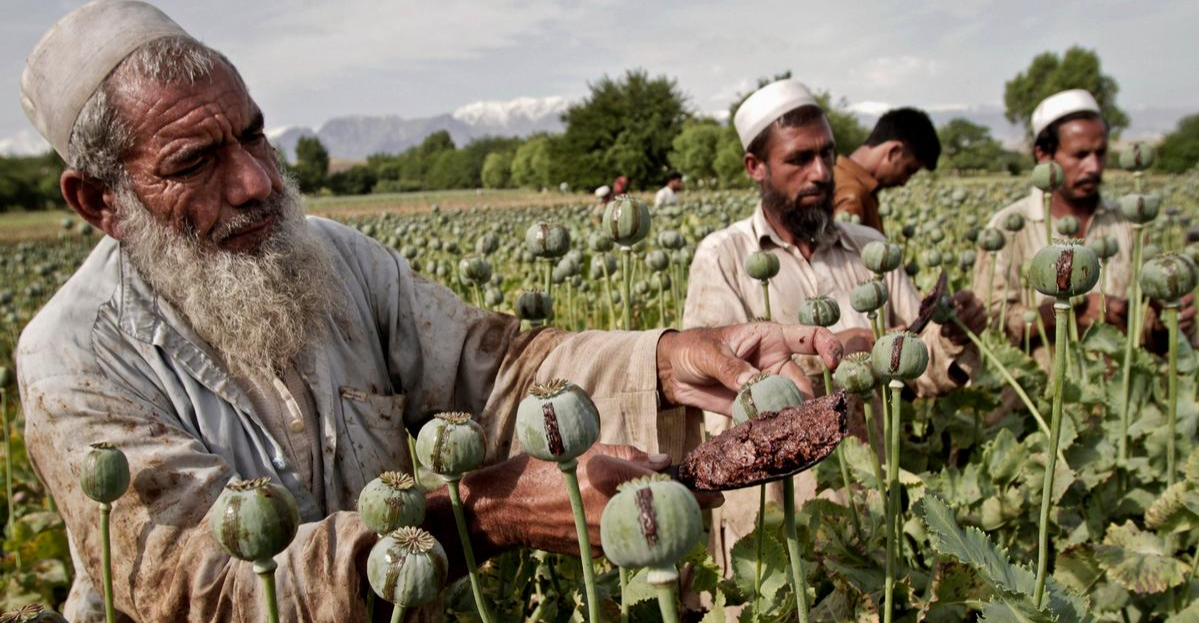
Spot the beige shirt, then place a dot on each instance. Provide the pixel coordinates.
(108, 360)
(721, 292)
(1024, 244)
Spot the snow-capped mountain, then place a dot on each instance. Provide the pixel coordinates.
(358, 136)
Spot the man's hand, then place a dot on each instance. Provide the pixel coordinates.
(1156, 320)
(856, 340)
(705, 368)
(970, 312)
(1092, 309)
(523, 501)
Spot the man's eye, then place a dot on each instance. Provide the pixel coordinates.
(190, 169)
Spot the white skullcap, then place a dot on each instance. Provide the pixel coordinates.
(71, 60)
(767, 104)
(1061, 104)
(603, 191)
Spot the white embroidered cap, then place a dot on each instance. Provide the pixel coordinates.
(1061, 104)
(767, 104)
(71, 60)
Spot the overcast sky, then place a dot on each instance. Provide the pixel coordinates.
(307, 61)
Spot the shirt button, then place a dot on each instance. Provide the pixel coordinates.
(296, 426)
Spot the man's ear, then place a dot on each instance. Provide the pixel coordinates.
(91, 200)
(756, 169)
(1039, 154)
(894, 151)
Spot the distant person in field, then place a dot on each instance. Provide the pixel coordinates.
(216, 333)
(619, 187)
(789, 154)
(902, 142)
(668, 195)
(1069, 129)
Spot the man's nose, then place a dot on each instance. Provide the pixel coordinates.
(821, 171)
(247, 179)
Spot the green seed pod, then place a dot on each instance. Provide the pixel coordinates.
(487, 244)
(1137, 157)
(657, 260)
(1151, 251)
(1064, 270)
(1030, 316)
(868, 296)
(1047, 176)
(599, 242)
(32, 613)
(474, 270)
(493, 296)
(972, 234)
(1013, 222)
(407, 567)
(765, 392)
(1140, 209)
(1068, 226)
(819, 311)
(1105, 247)
(660, 281)
(991, 240)
(598, 264)
(534, 305)
(546, 240)
(936, 235)
(652, 522)
(932, 258)
(761, 265)
(899, 356)
(627, 220)
(1168, 277)
(967, 258)
(557, 421)
(391, 501)
(855, 374)
(881, 256)
(909, 230)
(254, 520)
(104, 475)
(671, 239)
(451, 444)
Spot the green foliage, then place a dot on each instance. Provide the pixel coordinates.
(624, 127)
(1179, 151)
(695, 148)
(312, 164)
(30, 182)
(497, 169)
(968, 146)
(1049, 73)
(531, 163)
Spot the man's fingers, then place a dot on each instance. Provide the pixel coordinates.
(730, 370)
(791, 370)
(607, 473)
(828, 347)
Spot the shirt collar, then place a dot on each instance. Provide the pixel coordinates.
(856, 171)
(764, 233)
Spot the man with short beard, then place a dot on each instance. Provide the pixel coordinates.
(789, 153)
(217, 334)
(1068, 129)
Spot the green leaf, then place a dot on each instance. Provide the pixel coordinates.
(1138, 560)
(638, 590)
(1005, 457)
(1170, 512)
(1076, 568)
(716, 614)
(775, 568)
(1189, 615)
(1002, 509)
(1105, 339)
(1013, 611)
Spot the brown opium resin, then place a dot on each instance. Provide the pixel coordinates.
(769, 447)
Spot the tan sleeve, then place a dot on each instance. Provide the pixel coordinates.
(166, 564)
(713, 300)
(943, 355)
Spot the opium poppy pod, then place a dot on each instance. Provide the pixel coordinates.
(1063, 270)
(1140, 209)
(991, 240)
(1068, 226)
(899, 356)
(557, 421)
(761, 265)
(1168, 277)
(819, 311)
(627, 220)
(1047, 176)
(547, 240)
(474, 270)
(451, 444)
(671, 239)
(881, 256)
(765, 392)
(657, 260)
(32, 613)
(1137, 157)
(254, 520)
(407, 567)
(855, 374)
(1013, 222)
(967, 258)
(104, 475)
(391, 501)
(652, 522)
(1104, 247)
(600, 242)
(534, 305)
(868, 296)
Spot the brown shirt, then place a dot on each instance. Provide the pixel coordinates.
(856, 193)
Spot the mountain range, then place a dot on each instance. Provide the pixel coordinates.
(355, 137)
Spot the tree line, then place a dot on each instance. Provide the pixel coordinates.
(641, 127)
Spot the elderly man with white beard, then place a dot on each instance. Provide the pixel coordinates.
(216, 333)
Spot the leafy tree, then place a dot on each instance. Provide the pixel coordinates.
(357, 180)
(730, 161)
(312, 163)
(531, 163)
(968, 146)
(694, 153)
(623, 127)
(497, 169)
(1180, 150)
(848, 132)
(1049, 73)
(451, 169)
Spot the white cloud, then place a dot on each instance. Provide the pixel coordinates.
(888, 72)
(24, 143)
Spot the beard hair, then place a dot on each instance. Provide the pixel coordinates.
(257, 310)
(812, 225)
